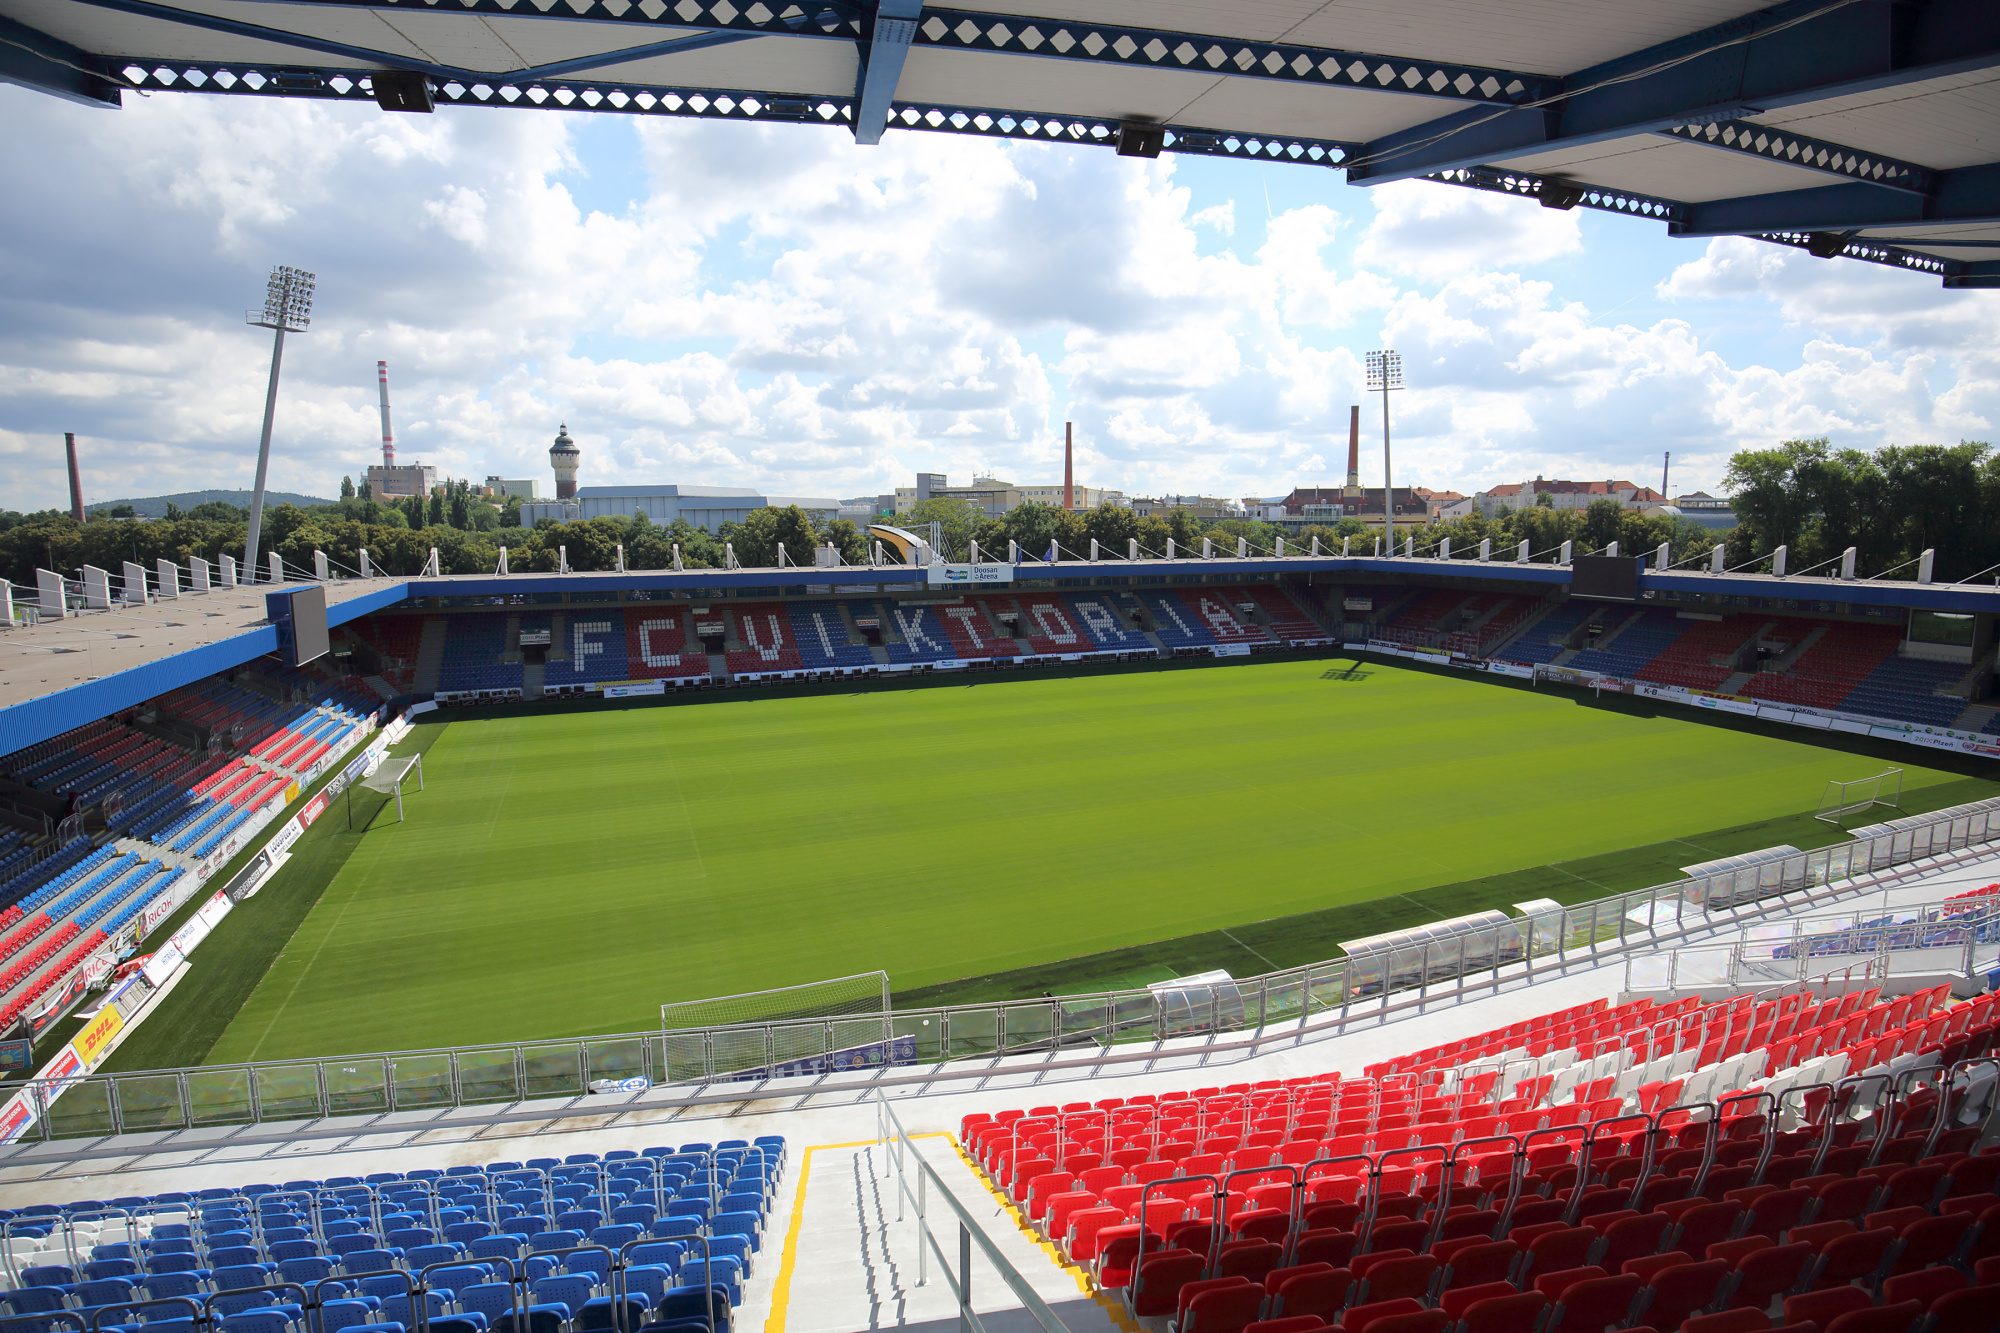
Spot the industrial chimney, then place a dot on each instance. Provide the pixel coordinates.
(1354, 450)
(75, 478)
(1069, 465)
(388, 437)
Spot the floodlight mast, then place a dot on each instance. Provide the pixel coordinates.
(1385, 374)
(287, 309)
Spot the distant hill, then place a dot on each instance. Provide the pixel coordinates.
(156, 506)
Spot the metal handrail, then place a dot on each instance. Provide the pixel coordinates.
(897, 1147)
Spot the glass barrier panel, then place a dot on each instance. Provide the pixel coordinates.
(922, 1033)
(551, 1070)
(739, 1052)
(488, 1076)
(1135, 1017)
(1326, 988)
(1027, 1027)
(788, 1043)
(1086, 1019)
(1653, 971)
(1284, 997)
(82, 1111)
(355, 1086)
(219, 1096)
(150, 1102)
(617, 1058)
(684, 1057)
(865, 1043)
(288, 1092)
(974, 1032)
(419, 1081)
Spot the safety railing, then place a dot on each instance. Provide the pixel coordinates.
(1949, 936)
(903, 1160)
(1371, 988)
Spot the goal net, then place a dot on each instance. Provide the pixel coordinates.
(1845, 798)
(863, 994)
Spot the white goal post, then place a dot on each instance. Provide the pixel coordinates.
(1845, 798)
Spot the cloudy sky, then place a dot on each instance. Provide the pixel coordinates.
(777, 307)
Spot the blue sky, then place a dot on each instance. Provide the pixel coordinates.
(776, 306)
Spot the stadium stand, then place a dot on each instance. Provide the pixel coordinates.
(822, 638)
(1108, 627)
(1635, 646)
(763, 630)
(597, 649)
(1690, 661)
(472, 648)
(394, 639)
(1216, 608)
(1175, 622)
(1543, 641)
(665, 1235)
(1289, 623)
(1637, 1165)
(1838, 658)
(971, 634)
(1907, 688)
(659, 645)
(1417, 624)
(923, 638)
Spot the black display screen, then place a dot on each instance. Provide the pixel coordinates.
(1611, 578)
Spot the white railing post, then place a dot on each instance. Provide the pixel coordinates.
(1521, 556)
(134, 592)
(1131, 548)
(277, 568)
(228, 563)
(51, 602)
(320, 571)
(1778, 561)
(677, 554)
(1207, 549)
(367, 566)
(1660, 559)
(1924, 566)
(1485, 550)
(199, 579)
(1847, 564)
(500, 567)
(1093, 550)
(1564, 557)
(621, 557)
(1716, 558)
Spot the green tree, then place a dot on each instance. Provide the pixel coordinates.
(758, 536)
(413, 511)
(219, 511)
(436, 517)
(461, 507)
(959, 520)
(849, 540)
(347, 488)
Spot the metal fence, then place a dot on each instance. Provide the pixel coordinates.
(298, 1090)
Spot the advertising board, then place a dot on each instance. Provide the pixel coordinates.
(953, 576)
(631, 689)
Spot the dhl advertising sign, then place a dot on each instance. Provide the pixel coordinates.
(95, 1039)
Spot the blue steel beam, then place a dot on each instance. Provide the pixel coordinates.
(393, 60)
(33, 59)
(883, 52)
(1791, 54)
(1776, 145)
(1962, 195)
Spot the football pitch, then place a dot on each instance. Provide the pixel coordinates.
(565, 872)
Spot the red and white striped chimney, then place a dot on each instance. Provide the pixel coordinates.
(388, 437)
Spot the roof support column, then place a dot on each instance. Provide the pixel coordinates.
(882, 56)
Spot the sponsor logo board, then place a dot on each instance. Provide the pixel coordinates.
(631, 689)
(94, 1040)
(964, 575)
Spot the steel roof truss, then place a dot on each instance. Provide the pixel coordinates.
(883, 52)
(1961, 195)
(1791, 54)
(1776, 145)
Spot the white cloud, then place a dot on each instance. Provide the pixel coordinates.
(781, 307)
(1437, 232)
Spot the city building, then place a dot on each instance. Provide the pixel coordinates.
(995, 497)
(387, 483)
(1199, 506)
(1562, 495)
(500, 488)
(1714, 512)
(1324, 506)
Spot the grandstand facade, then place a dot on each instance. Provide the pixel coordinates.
(1620, 1098)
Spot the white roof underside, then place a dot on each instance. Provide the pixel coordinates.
(1941, 124)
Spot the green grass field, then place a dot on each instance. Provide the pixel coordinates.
(568, 871)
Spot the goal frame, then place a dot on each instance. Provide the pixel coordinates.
(1841, 799)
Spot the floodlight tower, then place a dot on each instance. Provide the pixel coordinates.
(287, 309)
(1385, 374)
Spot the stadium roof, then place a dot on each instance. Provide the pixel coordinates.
(1864, 128)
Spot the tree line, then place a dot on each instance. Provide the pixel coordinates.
(1803, 494)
